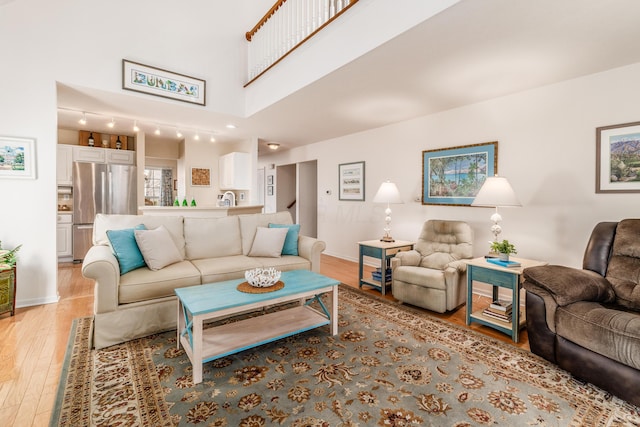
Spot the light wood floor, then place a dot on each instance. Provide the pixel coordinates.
(33, 342)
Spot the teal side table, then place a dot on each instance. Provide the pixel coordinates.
(479, 270)
(383, 251)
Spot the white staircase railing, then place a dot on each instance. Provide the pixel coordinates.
(287, 25)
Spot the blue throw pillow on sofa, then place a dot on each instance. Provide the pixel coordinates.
(125, 248)
(291, 241)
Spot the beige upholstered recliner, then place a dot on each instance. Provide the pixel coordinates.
(433, 275)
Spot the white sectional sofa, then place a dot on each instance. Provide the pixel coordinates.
(142, 301)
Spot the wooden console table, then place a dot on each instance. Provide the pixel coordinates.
(8, 291)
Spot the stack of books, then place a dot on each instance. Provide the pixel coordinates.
(377, 275)
(508, 264)
(500, 310)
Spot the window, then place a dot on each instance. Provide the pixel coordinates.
(158, 189)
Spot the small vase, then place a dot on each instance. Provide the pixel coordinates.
(503, 257)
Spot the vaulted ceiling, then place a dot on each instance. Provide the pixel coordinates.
(469, 53)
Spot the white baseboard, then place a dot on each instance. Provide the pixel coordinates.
(37, 301)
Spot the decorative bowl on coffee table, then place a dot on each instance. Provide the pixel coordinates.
(262, 277)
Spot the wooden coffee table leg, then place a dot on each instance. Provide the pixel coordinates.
(180, 323)
(197, 350)
(334, 311)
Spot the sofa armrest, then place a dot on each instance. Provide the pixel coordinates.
(102, 266)
(311, 248)
(568, 285)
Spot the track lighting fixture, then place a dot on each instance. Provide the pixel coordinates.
(132, 123)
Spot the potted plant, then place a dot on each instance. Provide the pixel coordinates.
(8, 257)
(503, 249)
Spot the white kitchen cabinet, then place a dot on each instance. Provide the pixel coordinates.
(234, 171)
(64, 165)
(64, 235)
(120, 157)
(103, 155)
(89, 154)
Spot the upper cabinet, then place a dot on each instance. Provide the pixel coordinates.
(89, 154)
(103, 155)
(234, 171)
(64, 165)
(121, 157)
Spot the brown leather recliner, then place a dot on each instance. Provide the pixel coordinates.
(588, 321)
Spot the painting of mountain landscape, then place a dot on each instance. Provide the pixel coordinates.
(625, 158)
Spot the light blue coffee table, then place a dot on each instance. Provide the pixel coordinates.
(197, 304)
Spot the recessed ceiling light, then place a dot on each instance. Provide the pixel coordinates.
(231, 126)
(273, 145)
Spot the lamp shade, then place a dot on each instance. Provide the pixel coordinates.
(496, 192)
(387, 193)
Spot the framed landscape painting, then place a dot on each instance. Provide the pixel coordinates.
(618, 158)
(17, 157)
(351, 181)
(453, 176)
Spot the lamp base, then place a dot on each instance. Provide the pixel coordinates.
(387, 239)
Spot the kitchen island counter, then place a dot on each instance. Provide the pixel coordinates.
(200, 211)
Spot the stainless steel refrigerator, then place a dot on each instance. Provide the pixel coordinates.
(99, 188)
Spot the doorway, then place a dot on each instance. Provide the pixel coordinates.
(297, 192)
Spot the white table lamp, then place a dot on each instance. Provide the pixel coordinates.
(496, 192)
(387, 193)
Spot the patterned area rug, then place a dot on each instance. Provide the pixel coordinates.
(389, 365)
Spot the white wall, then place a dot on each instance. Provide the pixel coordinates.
(546, 150)
(82, 43)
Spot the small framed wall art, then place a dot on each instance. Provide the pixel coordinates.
(17, 157)
(453, 176)
(156, 81)
(200, 177)
(618, 158)
(351, 181)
